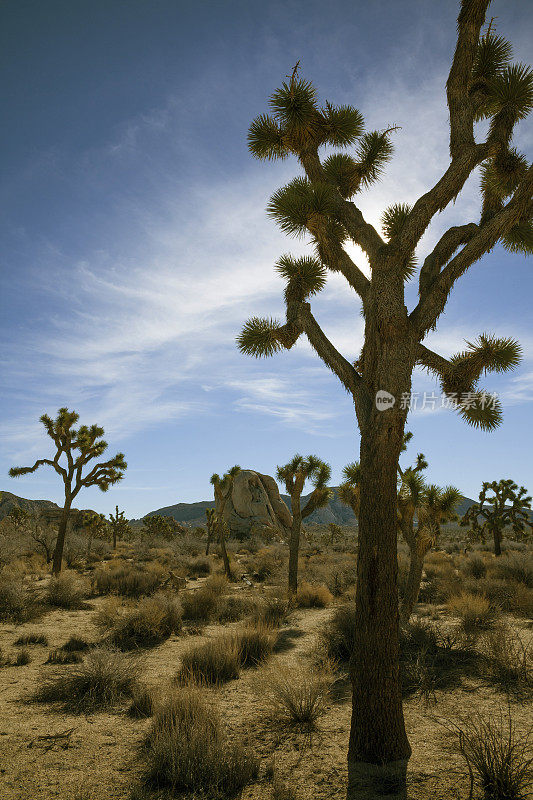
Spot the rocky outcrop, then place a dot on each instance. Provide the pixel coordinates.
(255, 502)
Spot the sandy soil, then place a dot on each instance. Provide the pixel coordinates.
(97, 759)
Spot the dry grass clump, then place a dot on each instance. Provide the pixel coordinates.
(75, 644)
(66, 590)
(31, 638)
(128, 580)
(23, 658)
(515, 567)
(15, 604)
(142, 703)
(508, 660)
(337, 634)
(105, 678)
(272, 610)
(188, 750)
(296, 695)
(473, 566)
(147, 624)
(522, 604)
(214, 662)
(255, 643)
(475, 611)
(266, 563)
(232, 608)
(281, 790)
(63, 657)
(498, 757)
(313, 596)
(199, 567)
(201, 605)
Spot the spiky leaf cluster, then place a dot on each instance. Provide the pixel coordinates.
(305, 276)
(301, 205)
(392, 222)
(259, 337)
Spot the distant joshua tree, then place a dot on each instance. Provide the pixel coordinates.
(321, 204)
(75, 448)
(294, 476)
(335, 532)
(161, 525)
(507, 505)
(223, 488)
(210, 515)
(120, 527)
(95, 526)
(350, 488)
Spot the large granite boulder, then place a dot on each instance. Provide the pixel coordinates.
(255, 502)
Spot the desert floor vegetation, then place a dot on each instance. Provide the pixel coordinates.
(95, 683)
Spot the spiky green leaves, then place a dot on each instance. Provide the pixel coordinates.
(341, 126)
(260, 337)
(294, 104)
(392, 222)
(501, 176)
(300, 469)
(493, 55)
(519, 239)
(305, 276)
(352, 473)
(481, 410)
(265, 139)
(301, 205)
(511, 91)
(488, 353)
(373, 152)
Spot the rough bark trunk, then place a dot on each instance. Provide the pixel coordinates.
(60, 541)
(208, 542)
(497, 542)
(114, 540)
(294, 544)
(224, 552)
(414, 579)
(379, 749)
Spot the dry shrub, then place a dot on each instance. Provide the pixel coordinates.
(508, 660)
(15, 604)
(515, 567)
(188, 750)
(31, 638)
(142, 703)
(523, 602)
(152, 621)
(255, 644)
(498, 757)
(281, 790)
(75, 644)
(475, 611)
(199, 567)
(338, 633)
(128, 580)
(273, 609)
(201, 605)
(105, 678)
(214, 662)
(23, 658)
(473, 567)
(313, 596)
(64, 657)
(295, 694)
(266, 563)
(232, 609)
(66, 590)
(500, 593)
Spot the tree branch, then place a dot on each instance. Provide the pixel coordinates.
(442, 252)
(432, 305)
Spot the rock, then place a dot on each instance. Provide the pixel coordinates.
(255, 502)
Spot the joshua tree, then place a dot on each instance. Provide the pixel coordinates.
(350, 490)
(294, 476)
(120, 527)
(95, 526)
(507, 506)
(75, 448)
(335, 532)
(482, 84)
(210, 515)
(223, 487)
(433, 505)
(161, 525)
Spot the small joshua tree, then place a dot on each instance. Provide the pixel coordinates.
(210, 515)
(294, 476)
(321, 204)
(95, 526)
(74, 450)
(160, 525)
(507, 505)
(223, 487)
(335, 532)
(120, 527)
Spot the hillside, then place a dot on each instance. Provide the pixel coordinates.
(9, 501)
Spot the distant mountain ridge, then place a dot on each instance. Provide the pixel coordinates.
(9, 501)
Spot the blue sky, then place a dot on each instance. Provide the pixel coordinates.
(135, 241)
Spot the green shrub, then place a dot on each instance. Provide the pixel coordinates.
(105, 678)
(214, 662)
(338, 633)
(188, 750)
(152, 621)
(66, 591)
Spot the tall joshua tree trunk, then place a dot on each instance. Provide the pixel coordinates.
(294, 544)
(379, 749)
(497, 535)
(60, 541)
